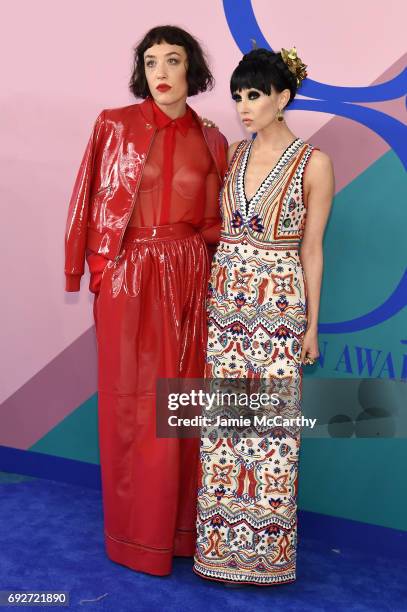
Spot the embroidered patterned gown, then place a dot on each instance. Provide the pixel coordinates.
(247, 523)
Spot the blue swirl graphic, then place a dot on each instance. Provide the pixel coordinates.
(244, 28)
(336, 100)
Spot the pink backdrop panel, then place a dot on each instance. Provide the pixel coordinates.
(65, 61)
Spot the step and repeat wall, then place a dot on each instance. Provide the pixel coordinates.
(63, 63)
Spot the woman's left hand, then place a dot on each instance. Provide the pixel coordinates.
(310, 348)
(208, 122)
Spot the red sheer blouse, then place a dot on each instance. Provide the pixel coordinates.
(180, 182)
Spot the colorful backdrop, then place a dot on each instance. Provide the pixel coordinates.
(62, 63)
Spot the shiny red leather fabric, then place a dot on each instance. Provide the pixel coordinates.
(149, 279)
(150, 315)
(108, 181)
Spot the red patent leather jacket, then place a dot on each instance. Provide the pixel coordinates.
(107, 183)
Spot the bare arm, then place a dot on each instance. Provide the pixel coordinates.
(231, 151)
(319, 187)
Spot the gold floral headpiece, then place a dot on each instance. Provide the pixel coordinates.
(294, 63)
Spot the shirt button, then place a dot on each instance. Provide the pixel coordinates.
(148, 126)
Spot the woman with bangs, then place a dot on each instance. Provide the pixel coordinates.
(145, 213)
(263, 309)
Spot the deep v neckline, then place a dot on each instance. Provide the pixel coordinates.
(286, 154)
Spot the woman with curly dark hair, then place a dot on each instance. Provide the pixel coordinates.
(144, 211)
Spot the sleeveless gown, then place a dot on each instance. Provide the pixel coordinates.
(257, 316)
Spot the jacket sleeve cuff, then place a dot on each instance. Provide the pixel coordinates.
(73, 282)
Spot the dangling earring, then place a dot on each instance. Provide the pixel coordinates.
(280, 115)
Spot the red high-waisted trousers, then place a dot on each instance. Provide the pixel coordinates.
(150, 323)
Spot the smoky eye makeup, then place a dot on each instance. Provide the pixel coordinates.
(253, 94)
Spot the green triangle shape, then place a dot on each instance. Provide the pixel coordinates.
(75, 437)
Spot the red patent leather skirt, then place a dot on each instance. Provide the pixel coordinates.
(150, 323)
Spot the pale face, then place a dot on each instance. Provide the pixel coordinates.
(258, 110)
(166, 73)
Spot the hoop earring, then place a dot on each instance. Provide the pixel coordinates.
(280, 115)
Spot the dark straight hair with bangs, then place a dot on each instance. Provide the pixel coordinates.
(263, 70)
(199, 76)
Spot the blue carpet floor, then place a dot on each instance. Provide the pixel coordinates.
(51, 540)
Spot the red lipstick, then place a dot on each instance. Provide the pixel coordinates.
(163, 87)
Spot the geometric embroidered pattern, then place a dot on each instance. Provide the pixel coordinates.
(257, 316)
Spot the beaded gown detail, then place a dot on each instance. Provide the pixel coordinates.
(257, 316)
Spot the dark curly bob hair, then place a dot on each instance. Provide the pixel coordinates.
(199, 76)
(262, 69)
